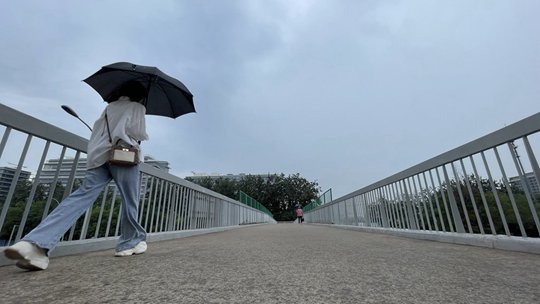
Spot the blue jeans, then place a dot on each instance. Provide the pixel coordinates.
(47, 234)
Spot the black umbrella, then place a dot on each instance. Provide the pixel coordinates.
(166, 96)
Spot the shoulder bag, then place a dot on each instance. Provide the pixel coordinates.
(121, 155)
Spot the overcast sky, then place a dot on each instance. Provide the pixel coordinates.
(343, 92)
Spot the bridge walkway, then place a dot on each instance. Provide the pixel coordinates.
(284, 263)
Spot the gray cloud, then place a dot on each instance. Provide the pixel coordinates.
(343, 92)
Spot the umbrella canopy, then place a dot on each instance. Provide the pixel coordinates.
(166, 96)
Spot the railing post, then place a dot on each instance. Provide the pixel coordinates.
(354, 211)
(408, 205)
(453, 205)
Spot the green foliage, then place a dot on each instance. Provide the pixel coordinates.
(38, 206)
(19, 202)
(500, 191)
(278, 193)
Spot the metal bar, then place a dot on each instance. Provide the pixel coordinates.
(367, 207)
(483, 196)
(509, 189)
(208, 212)
(5, 138)
(170, 207)
(189, 209)
(339, 214)
(69, 188)
(404, 202)
(423, 202)
(181, 202)
(86, 222)
(162, 205)
(143, 183)
(185, 209)
(461, 198)
(178, 224)
(155, 215)
(428, 195)
(536, 172)
(118, 220)
(441, 217)
(102, 208)
(355, 214)
(495, 195)
(391, 207)
(373, 208)
(445, 204)
(453, 205)
(149, 202)
(471, 195)
(14, 182)
(31, 196)
(166, 207)
(194, 206)
(414, 204)
(111, 210)
(176, 214)
(346, 213)
(52, 187)
(383, 210)
(397, 203)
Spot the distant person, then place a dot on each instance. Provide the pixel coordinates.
(300, 215)
(126, 123)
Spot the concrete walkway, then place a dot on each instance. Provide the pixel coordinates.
(284, 263)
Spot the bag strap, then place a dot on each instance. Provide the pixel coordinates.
(108, 131)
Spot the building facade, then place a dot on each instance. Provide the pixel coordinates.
(52, 166)
(532, 183)
(7, 175)
(64, 169)
(200, 176)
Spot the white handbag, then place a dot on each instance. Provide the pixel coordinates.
(121, 155)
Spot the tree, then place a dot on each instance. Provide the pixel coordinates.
(500, 190)
(278, 193)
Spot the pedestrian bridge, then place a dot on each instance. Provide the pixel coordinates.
(284, 263)
(462, 227)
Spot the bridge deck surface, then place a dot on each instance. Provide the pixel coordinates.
(284, 263)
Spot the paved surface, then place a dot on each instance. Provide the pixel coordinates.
(284, 263)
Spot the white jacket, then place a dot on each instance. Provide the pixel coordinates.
(126, 122)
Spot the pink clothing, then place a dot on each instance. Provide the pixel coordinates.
(299, 212)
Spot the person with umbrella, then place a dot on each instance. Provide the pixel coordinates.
(123, 120)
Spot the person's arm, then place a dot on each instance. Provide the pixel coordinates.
(137, 127)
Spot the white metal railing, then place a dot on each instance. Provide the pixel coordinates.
(167, 203)
(486, 187)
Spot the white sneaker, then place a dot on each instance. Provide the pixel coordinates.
(139, 249)
(29, 256)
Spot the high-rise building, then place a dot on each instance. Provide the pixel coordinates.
(160, 164)
(51, 166)
(214, 176)
(532, 183)
(7, 175)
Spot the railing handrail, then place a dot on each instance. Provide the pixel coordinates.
(167, 203)
(31, 125)
(474, 193)
(507, 134)
(150, 170)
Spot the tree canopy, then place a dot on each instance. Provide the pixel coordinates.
(277, 192)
